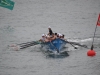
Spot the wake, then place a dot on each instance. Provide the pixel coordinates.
(85, 43)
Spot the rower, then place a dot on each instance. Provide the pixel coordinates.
(43, 38)
(50, 31)
(63, 37)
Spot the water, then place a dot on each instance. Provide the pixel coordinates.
(30, 19)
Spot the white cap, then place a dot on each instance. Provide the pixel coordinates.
(49, 27)
(59, 34)
(43, 35)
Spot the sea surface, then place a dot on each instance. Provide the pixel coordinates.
(31, 18)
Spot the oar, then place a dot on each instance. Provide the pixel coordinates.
(25, 45)
(75, 43)
(28, 45)
(55, 47)
(71, 44)
(79, 44)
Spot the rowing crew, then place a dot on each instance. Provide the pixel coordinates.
(51, 36)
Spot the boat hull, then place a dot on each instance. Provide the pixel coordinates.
(55, 45)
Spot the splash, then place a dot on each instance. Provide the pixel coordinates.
(80, 40)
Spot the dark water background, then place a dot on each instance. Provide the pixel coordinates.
(31, 18)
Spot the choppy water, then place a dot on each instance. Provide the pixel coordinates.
(29, 19)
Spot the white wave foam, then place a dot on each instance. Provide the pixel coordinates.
(86, 40)
(80, 40)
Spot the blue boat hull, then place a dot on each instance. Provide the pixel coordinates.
(55, 45)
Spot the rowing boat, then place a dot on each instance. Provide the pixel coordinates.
(55, 45)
